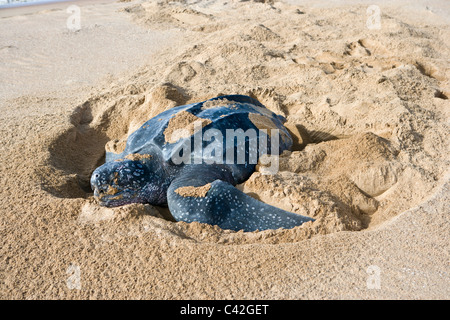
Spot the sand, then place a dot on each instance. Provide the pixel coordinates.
(368, 108)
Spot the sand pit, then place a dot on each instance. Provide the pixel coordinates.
(368, 109)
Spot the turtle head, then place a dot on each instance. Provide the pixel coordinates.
(134, 179)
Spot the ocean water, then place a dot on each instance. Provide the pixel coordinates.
(17, 3)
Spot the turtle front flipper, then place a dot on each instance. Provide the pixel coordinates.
(201, 197)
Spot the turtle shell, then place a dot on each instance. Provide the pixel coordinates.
(236, 129)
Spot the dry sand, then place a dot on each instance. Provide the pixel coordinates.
(369, 110)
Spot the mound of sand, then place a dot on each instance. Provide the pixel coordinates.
(365, 106)
(368, 109)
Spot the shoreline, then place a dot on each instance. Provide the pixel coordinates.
(32, 8)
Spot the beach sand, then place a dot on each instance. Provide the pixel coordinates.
(366, 100)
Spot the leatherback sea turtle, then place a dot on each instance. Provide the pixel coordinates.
(190, 157)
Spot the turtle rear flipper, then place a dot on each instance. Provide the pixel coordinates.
(203, 198)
